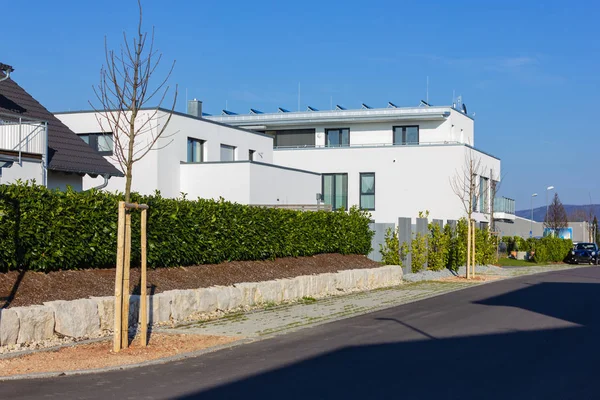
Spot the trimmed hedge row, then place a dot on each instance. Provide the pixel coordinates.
(546, 249)
(45, 230)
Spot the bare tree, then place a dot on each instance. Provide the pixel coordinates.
(465, 183)
(495, 183)
(126, 86)
(578, 215)
(556, 218)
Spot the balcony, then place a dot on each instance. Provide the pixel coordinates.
(22, 137)
(504, 209)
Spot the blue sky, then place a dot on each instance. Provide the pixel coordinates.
(529, 70)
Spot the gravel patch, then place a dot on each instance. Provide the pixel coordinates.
(446, 273)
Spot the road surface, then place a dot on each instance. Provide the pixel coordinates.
(525, 338)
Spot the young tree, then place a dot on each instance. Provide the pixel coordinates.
(596, 234)
(126, 86)
(465, 184)
(556, 218)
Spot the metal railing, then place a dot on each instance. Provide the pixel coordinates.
(504, 205)
(314, 146)
(23, 135)
(298, 207)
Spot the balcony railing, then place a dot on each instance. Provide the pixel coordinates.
(338, 146)
(23, 135)
(504, 205)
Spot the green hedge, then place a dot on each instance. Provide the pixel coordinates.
(546, 249)
(45, 230)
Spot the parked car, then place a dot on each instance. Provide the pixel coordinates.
(583, 253)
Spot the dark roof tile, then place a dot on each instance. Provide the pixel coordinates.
(67, 152)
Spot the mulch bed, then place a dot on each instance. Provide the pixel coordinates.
(23, 288)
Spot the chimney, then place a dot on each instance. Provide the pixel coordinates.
(194, 108)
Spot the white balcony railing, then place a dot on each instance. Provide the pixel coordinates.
(20, 135)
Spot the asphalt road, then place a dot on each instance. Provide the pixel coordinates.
(536, 337)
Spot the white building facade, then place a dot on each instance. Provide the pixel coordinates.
(394, 162)
(199, 158)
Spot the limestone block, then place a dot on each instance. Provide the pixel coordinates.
(134, 311)
(248, 292)
(75, 318)
(9, 327)
(223, 299)
(208, 299)
(360, 278)
(106, 312)
(185, 303)
(159, 307)
(290, 289)
(235, 297)
(36, 323)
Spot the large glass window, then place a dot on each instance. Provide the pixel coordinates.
(337, 137)
(195, 150)
(227, 153)
(367, 191)
(406, 135)
(483, 195)
(335, 190)
(101, 142)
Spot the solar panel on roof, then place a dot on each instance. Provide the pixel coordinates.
(282, 109)
(253, 111)
(309, 108)
(363, 105)
(391, 105)
(206, 114)
(338, 107)
(226, 112)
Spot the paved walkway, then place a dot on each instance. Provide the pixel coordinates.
(273, 320)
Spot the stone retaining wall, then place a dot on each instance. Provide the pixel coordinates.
(95, 316)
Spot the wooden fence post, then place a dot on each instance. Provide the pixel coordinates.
(473, 252)
(126, 265)
(143, 298)
(119, 277)
(468, 249)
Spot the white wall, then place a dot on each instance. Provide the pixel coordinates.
(173, 147)
(276, 185)
(61, 181)
(26, 171)
(407, 179)
(249, 183)
(213, 180)
(160, 168)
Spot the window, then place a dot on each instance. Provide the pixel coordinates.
(335, 190)
(406, 135)
(293, 137)
(195, 150)
(101, 142)
(251, 155)
(367, 191)
(337, 137)
(483, 195)
(227, 153)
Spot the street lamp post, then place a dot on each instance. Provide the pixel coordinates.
(548, 189)
(531, 227)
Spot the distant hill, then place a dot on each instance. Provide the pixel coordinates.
(540, 212)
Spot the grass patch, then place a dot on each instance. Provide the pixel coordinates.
(307, 300)
(511, 262)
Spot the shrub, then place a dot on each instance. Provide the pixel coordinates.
(44, 230)
(418, 250)
(390, 250)
(439, 247)
(551, 249)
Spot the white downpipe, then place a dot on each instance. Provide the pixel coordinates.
(6, 76)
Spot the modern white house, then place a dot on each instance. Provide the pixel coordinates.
(34, 145)
(392, 161)
(200, 158)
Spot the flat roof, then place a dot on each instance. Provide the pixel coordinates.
(339, 115)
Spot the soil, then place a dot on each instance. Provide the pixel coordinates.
(23, 288)
(476, 278)
(100, 355)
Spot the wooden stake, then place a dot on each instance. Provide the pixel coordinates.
(473, 249)
(469, 249)
(126, 264)
(143, 298)
(119, 277)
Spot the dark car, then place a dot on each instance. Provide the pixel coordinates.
(584, 253)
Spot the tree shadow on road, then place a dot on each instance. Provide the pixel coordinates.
(557, 362)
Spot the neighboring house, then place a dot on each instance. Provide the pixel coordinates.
(35, 145)
(391, 161)
(201, 158)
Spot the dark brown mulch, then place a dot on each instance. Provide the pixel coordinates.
(27, 288)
